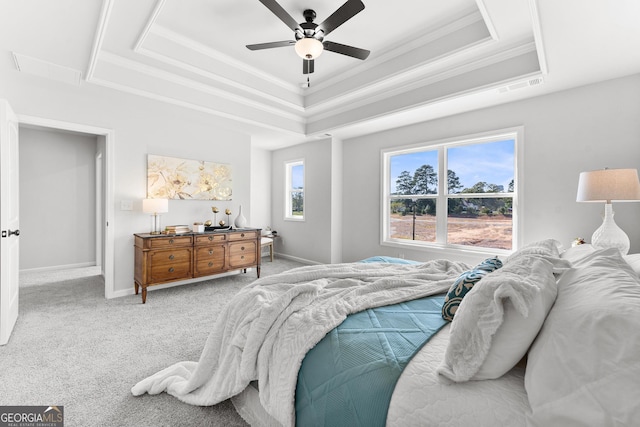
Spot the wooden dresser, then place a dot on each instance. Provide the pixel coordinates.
(164, 258)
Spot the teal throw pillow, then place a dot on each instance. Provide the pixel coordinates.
(464, 283)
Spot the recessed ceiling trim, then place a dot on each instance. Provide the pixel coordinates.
(537, 35)
(101, 30)
(149, 25)
(183, 81)
(404, 46)
(218, 56)
(399, 81)
(215, 77)
(46, 69)
(487, 19)
(381, 94)
(171, 100)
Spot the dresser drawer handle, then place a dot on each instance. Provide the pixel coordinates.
(242, 248)
(210, 264)
(171, 241)
(210, 238)
(171, 270)
(210, 252)
(241, 234)
(242, 257)
(171, 256)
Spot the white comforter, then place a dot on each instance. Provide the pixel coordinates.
(268, 327)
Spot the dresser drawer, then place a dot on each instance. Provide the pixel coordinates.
(166, 266)
(210, 238)
(209, 260)
(171, 256)
(243, 235)
(242, 254)
(168, 242)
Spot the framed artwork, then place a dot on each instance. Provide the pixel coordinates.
(175, 178)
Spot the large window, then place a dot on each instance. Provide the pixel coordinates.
(294, 209)
(459, 193)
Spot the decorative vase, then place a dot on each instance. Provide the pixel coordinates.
(240, 221)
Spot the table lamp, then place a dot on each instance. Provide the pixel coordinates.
(607, 185)
(155, 207)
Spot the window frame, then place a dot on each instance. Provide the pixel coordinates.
(442, 196)
(289, 190)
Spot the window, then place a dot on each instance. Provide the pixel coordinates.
(459, 193)
(294, 209)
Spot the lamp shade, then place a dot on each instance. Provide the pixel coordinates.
(608, 185)
(309, 48)
(155, 206)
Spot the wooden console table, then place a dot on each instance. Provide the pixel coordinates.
(164, 258)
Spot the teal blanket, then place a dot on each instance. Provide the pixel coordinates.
(348, 378)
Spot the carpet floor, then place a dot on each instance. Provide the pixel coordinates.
(72, 347)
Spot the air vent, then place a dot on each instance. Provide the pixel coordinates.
(49, 70)
(535, 81)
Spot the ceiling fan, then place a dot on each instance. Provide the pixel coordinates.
(309, 37)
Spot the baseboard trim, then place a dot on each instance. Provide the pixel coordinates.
(131, 291)
(294, 258)
(58, 267)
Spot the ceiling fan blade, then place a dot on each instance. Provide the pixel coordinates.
(307, 66)
(343, 49)
(270, 45)
(277, 10)
(341, 15)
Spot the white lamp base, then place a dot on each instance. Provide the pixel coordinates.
(609, 235)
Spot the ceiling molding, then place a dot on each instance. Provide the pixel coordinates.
(174, 101)
(537, 35)
(149, 25)
(450, 73)
(198, 48)
(406, 45)
(101, 30)
(219, 56)
(192, 84)
(482, 7)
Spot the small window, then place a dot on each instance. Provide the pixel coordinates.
(294, 209)
(461, 193)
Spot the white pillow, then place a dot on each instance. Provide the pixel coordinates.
(576, 253)
(498, 319)
(583, 368)
(634, 261)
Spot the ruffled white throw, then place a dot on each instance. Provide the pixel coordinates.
(267, 328)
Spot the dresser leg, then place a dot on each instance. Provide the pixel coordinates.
(144, 294)
(136, 286)
(258, 270)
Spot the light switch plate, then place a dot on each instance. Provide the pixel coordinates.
(126, 205)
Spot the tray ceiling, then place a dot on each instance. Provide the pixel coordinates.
(428, 58)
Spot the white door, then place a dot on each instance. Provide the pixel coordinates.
(9, 221)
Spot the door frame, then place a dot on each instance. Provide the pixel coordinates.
(108, 226)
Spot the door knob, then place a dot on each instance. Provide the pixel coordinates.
(16, 232)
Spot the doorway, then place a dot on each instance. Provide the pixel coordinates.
(103, 224)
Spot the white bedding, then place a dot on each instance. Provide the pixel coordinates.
(424, 398)
(268, 327)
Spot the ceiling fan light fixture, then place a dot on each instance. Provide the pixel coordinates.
(309, 48)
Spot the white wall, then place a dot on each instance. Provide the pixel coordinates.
(260, 188)
(140, 127)
(582, 129)
(57, 199)
(308, 240)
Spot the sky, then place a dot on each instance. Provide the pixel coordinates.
(492, 162)
(297, 176)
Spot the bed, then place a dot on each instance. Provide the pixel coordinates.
(547, 339)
